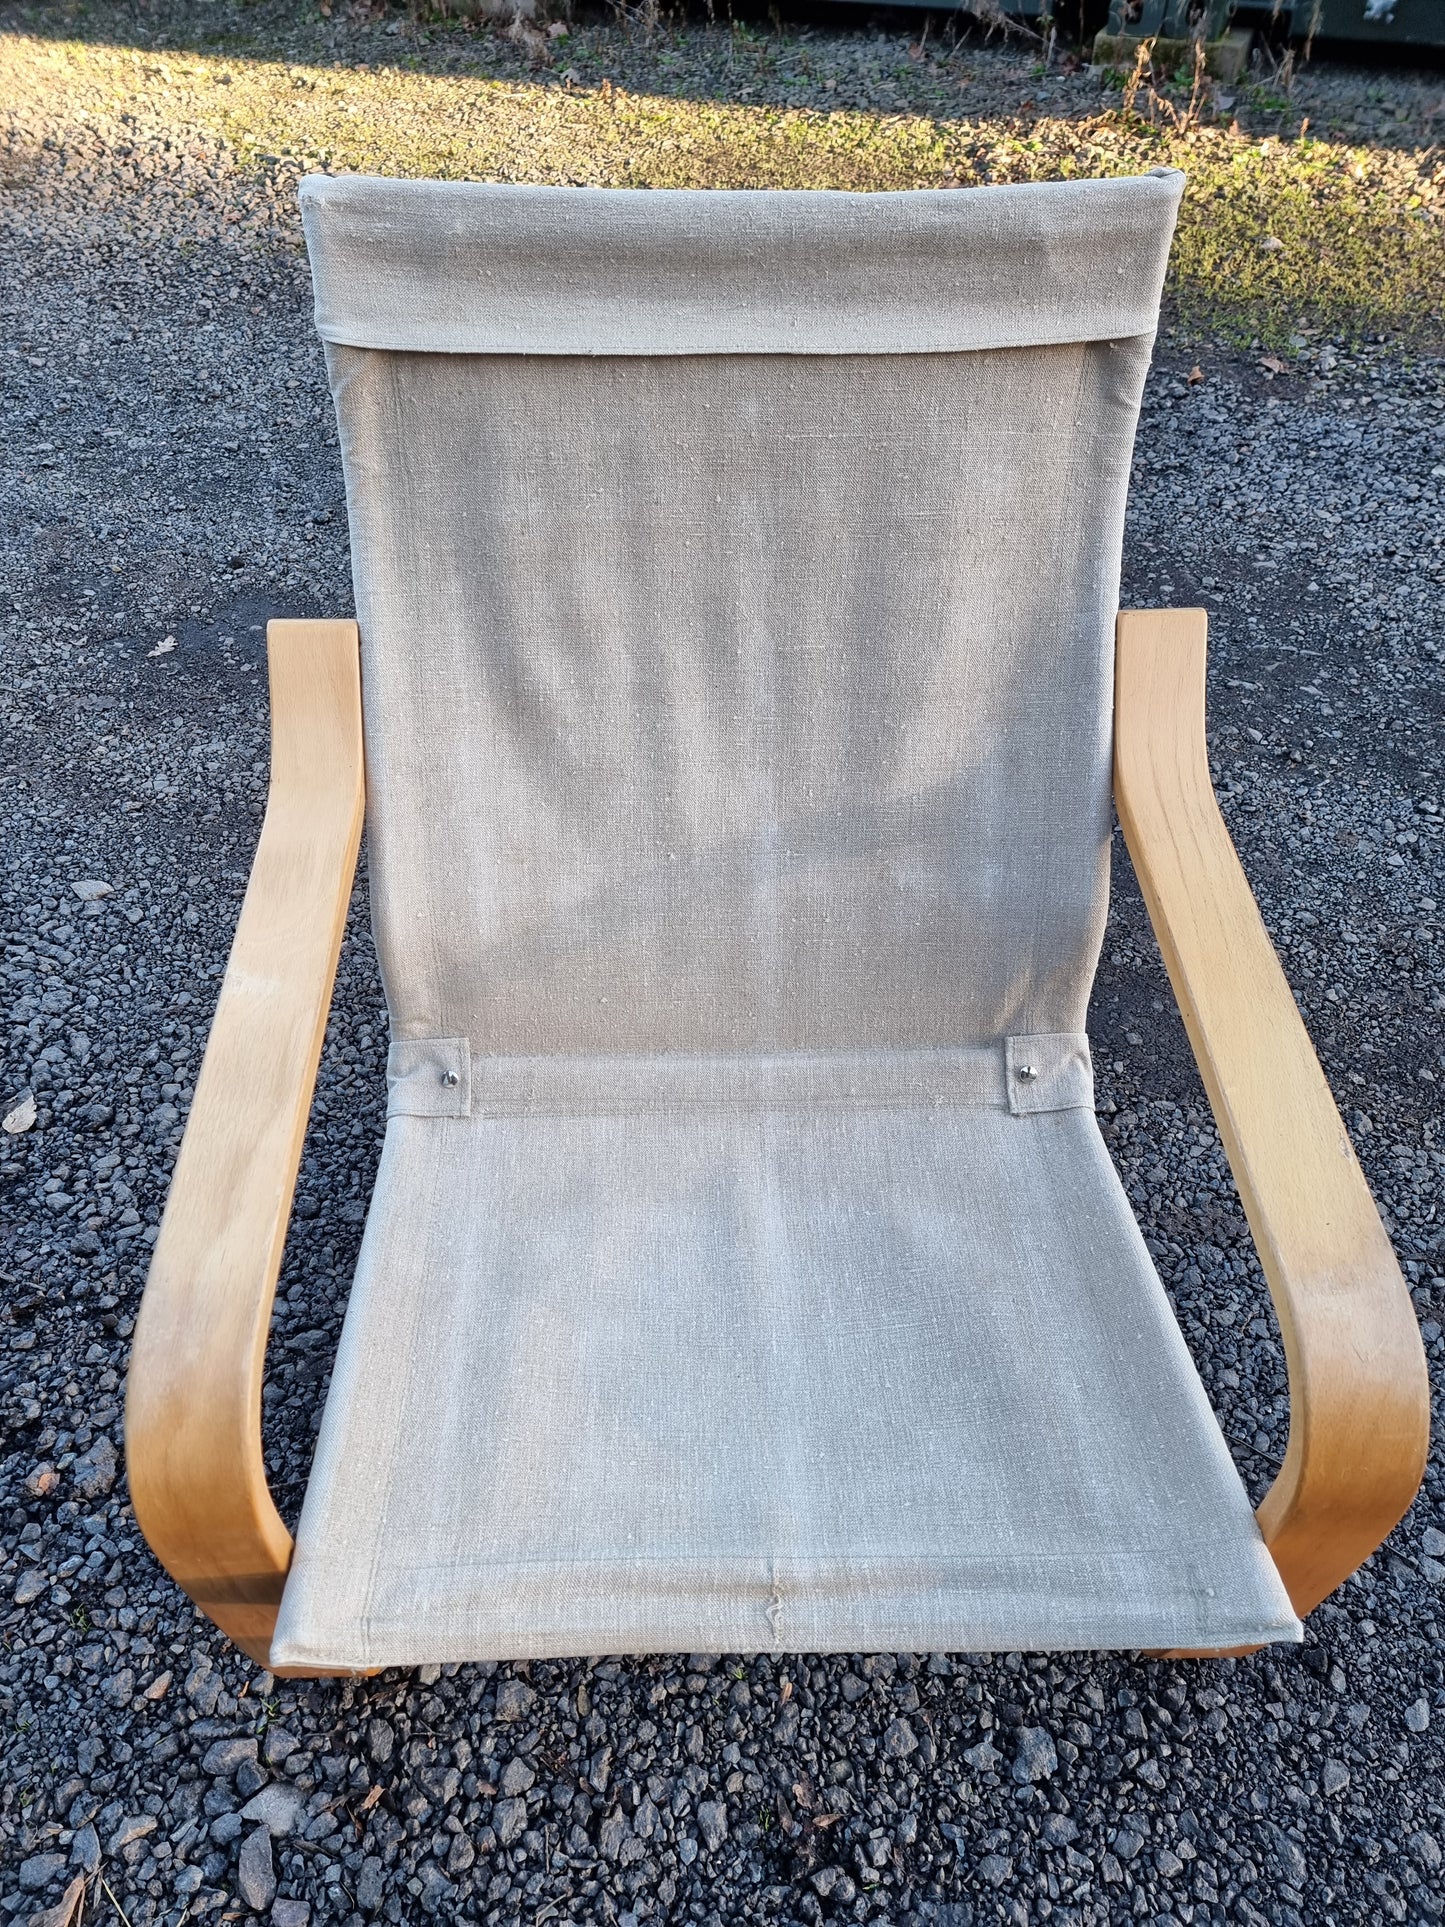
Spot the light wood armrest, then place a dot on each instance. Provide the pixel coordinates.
(193, 1406)
(1359, 1396)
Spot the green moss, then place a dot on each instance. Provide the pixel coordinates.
(1273, 233)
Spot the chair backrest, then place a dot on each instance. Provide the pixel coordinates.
(736, 576)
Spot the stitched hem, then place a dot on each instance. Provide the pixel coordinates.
(568, 1609)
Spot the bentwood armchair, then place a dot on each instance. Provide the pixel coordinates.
(737, 578)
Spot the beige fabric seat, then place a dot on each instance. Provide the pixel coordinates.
(736, 578)
(756, 1399)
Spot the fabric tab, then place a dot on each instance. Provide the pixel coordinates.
(429, 1077)
(432, 1077)
(1051, 1071)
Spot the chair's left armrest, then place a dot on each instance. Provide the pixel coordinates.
(193, 1405)
(1359, 1394)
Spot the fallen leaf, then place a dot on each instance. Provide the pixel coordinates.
(20, 1116)
(785, 1692)
(163, 647)
(827, 1820)
(66, 1910)
(91, 890)
(370, 1801)
(1272, 365)
(1195, 375)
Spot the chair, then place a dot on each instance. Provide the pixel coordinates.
(736, 580)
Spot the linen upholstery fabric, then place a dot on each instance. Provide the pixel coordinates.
(446, 268)
(745, 1268)
(857, 1378)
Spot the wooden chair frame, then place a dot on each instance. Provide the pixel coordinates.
(1359, 1396)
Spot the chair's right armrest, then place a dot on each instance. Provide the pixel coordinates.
(193, 1403)
(1359, 1395)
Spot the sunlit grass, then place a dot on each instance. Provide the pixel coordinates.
(1274, 233)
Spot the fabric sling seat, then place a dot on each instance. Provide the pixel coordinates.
(739, 790)
(736, 580)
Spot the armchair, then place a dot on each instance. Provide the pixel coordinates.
(745, 1267)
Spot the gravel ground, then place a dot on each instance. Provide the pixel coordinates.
(168, 476)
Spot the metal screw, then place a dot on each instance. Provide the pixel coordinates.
(1026, 1073)
(450, 1079)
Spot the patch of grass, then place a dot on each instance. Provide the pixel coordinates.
(1274, 232)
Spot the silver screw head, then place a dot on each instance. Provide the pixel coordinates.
(1026, 1073)
(450, 1079)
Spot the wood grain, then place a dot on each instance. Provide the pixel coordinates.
(193, 1407)
(1359, 1396)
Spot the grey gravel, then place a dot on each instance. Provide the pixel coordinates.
(41, 1870)
(255, 1871)
(30, 1585)
(1036, 1757)
(221, 1760)
(899, 1740)
(278, 1806)
(85, 1849)
(514, 1699)
(134, 1827)
(509, 1820)
(94, 1472)
(226, 1829)
(168, 469)
(712, 1823)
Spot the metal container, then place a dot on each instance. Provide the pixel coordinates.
(1397, 23)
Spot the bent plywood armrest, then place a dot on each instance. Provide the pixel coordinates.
(1359, 1396)
(193, 1407)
